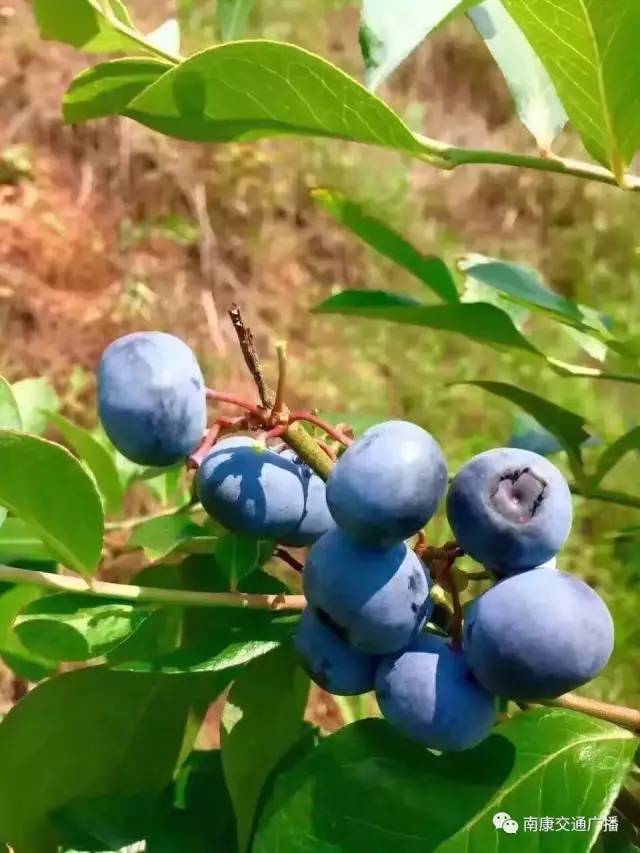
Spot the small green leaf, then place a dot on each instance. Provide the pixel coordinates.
(232, 18)
(161, 536)
(83, 24)
(475, 320)
(389, 32)
(35, 398)
(9, 412)
(108, 88)
(239, 556)
(367, 787)
(45, 486)
(16, 656)
(612, 454)
(253, 742)
(20, 543)
(70, 627)
(535, 98)
(253, 89)
(565, 425)
(429, 269)
(590, 52)
(102, 733)
(97, 457)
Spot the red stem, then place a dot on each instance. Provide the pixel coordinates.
(234, 400)
(323, 425)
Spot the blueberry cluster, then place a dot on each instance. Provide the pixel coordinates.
(537, 633)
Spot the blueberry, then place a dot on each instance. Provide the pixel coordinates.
(329, 660)
(427, 692)
(388, 484)
(151, 398)
(251, 490)
(316, 519)
(380, 599)
(510, 509)
(537, 635)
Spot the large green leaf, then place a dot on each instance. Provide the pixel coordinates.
(589, 48)
(232, 18)
(567, 426)
(430, 269)
(390, 31)
(69, 627)
(368, 788)
(35, 398)
(253, 742)
(86, 734)
(535, 98)
(83, 24)
(45, 486)
(477, 321)
(98, 459)
(9, 412)
(106, 89)
(20, 543)
(612, 454)
(252, 89)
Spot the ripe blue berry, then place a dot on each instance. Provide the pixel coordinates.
(251, 490)
(388, 484)
(329, 660)
(316, 519)
(379, 598)
(427, 692)
(510, 509)
(151, 398)
(537, 635)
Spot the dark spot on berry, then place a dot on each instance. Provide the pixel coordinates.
(415, 584)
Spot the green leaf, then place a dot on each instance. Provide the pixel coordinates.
(369, 788)
(20, 543)
(253, 89)
(35, 398)
(565, 425)
(522, 284)
(475, 320)
(254, 742)
(535, 98)
(45, 486)
(83, 24)
(614, 452)
(69, 627)
(88, 733)
(589, 48)
(108, 88)
(239, 556)
(232, 18)
(389, 32)
(9, 412)
(161, 536)
(98, 459)
(429, 269)
(16, 656)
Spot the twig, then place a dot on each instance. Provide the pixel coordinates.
(278, 405)
(233, 400)
(628, 718)
(128, 592)
(245, 339)
(288, 558)
(334, 432)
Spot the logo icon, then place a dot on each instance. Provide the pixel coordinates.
(504, 821)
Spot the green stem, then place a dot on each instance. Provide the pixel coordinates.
(128, 592)
(445, 156)
(308, 449)
(606, 496)
(137, 37)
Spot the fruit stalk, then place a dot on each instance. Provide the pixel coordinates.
(628, 718)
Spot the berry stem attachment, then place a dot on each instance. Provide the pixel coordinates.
(310, 418)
